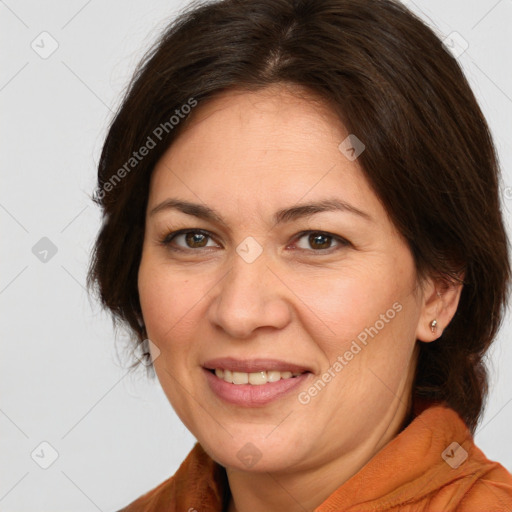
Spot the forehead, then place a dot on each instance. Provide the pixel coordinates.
(270, 147)
(277, 118)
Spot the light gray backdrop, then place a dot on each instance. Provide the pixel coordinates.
(107, 437)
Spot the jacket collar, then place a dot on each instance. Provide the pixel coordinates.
(408, 468)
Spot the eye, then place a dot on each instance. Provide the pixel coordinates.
(192, 239)
(318, 241)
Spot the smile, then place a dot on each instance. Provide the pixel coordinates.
(255, 378)
(254, 382)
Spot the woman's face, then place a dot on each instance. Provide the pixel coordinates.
(265, 284)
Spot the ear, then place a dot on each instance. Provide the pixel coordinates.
(440, 302)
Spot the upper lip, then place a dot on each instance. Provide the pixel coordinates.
(253, 365)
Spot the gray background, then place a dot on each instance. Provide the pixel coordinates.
(114, 436)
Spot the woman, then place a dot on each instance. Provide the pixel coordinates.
(302, 229)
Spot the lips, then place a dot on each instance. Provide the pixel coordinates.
(291, 377)
(254, 365)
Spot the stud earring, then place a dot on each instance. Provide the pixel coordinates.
(433, 326)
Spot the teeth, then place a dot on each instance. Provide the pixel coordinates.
(256, 378)
(274, 376)
(240, 378)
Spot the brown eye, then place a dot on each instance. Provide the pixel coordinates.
(316, 241)
(187, 239)
(195, 239)
(320, 241)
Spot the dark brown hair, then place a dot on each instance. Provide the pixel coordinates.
(429, 155)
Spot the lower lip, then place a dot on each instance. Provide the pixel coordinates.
(249, 395)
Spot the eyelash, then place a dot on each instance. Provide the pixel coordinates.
(168, 238)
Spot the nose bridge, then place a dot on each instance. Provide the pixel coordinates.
(249, 296)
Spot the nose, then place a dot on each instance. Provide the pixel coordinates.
(250, 296)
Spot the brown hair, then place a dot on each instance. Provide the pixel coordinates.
(429, 155)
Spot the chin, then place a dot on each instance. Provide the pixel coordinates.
(253, 453)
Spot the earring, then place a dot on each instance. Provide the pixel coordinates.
(433, 326)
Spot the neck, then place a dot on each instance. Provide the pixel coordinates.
(298, 491)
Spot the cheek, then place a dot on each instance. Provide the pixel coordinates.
(165, 298)
(167, 303)
(345, 306)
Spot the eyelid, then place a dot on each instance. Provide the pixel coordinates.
(169, 237)
(341, 241)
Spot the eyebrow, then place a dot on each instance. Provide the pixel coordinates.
(280, 217)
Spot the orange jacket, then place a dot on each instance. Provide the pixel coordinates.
(421, 469)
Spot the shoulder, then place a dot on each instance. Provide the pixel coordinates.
(199, 480)
(489, 488)
(154, 500)
(478, 485)
(437, 466)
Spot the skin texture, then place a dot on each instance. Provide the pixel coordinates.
(247, 155)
